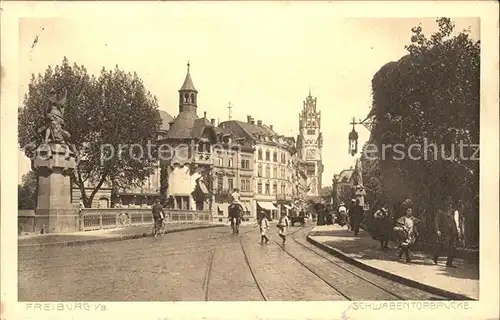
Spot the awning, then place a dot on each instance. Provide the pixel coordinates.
(287, 206)
(223, 207)
(267, 205)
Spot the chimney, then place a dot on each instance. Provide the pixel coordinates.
(249, 119)
(259, 122)
(205, 114)
(271, 126)
(252, 120)
(212, 121)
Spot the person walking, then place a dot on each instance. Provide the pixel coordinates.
(382, 226)
(406, 230)
(447, 232)
(356, 215)
(342, 218)
(264, 227)
(282, 225)
(158, 216)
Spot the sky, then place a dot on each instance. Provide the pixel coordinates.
(261, 61)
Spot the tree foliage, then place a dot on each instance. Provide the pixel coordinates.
(27, 191)
(112, 109)
(430, 99)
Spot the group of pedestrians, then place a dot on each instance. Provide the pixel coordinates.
(405, 230)
(264, 222)
(351, 217)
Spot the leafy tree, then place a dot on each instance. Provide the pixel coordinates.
(430, 98)
(27, 191)
(113, 109)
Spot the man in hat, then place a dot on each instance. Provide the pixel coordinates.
(356, 215)
(447, 233)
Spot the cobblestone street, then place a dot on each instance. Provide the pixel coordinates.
(199, 265)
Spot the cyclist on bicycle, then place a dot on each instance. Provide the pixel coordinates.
(158, 216)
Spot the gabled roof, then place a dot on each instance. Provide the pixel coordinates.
(166, 118)
(345, 175)
(242, 129)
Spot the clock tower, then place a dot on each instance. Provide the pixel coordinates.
(310, 144)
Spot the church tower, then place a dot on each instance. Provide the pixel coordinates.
(310, 144)
(188, 94)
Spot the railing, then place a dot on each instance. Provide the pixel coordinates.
(283, 197)
(97, 219)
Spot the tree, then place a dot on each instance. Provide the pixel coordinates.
(103, 114)
(27, 191)
(430, 98)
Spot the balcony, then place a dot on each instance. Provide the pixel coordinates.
(203, 158)
(284, 197)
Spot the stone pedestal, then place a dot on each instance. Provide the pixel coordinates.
(54, 164)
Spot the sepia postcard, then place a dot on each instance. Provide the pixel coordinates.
(249, 160)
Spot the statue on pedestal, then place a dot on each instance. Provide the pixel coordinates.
(54, 161)
(54, 119)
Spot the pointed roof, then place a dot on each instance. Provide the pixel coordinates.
(166, 119)
(188, 82)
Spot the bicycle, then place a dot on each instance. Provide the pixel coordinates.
(159, 227)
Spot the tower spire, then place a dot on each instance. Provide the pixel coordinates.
(188, 65)
(229, 107)
(309, 91)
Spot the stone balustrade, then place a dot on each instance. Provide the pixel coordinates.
(110, 218)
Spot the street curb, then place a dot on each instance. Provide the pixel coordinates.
(111, 239)
(391, 276)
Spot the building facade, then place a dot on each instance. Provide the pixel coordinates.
(273, 168)
(233, 168)
(185, 152)
(310, 144)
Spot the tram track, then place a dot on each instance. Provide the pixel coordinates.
(340, 266)
(335, 288)
(259, 287)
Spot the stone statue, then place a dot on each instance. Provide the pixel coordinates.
(54, 119)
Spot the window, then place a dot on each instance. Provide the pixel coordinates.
(259, 171)
(275, 172)
(230, 162)
(282, 188)
(245, 185)
(283, 173)
(275, 156)
(260, 154)
(267, 188)
(311, 131)
(268, 171)
(268, 155)
(220, 183)
(259, 187)
(283, 158)
(221, 161)
(182, 203)
(230, 184)
(245, 164)
(275, 188)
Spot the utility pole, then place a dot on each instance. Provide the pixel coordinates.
(229, 107)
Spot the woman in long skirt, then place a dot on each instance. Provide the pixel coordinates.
(382, 226)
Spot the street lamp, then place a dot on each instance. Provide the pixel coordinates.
(353, 135)
(353, 142)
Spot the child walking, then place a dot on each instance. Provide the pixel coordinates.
(407, 233)
(282, 226)
(264, 227)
